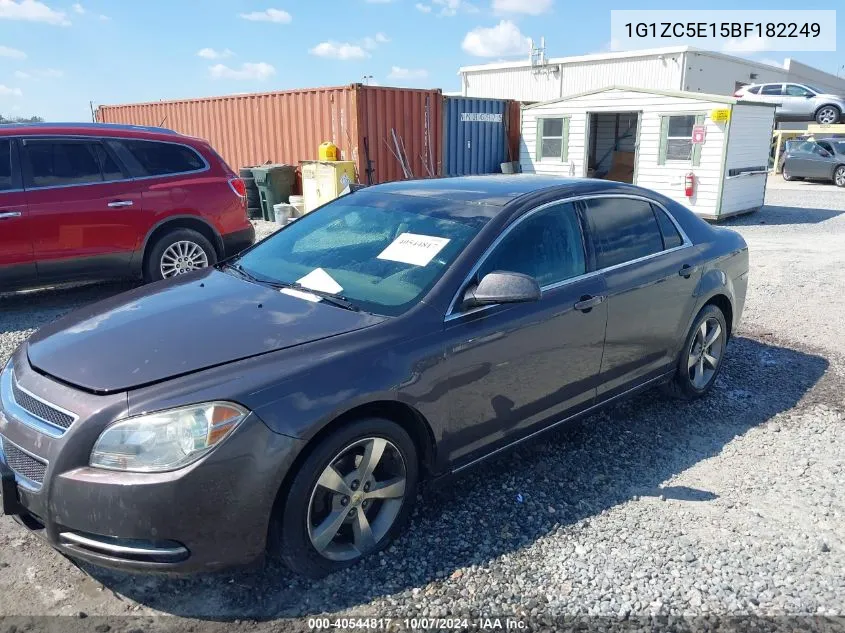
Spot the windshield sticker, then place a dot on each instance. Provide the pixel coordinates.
(319, 279)
(410, 248)
(300, 295)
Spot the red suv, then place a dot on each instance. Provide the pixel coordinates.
(81, 201)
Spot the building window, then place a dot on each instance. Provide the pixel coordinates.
(552, 138)
(676, 138)
(679, 138)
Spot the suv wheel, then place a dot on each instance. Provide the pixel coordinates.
(178, 252)
(827, 114)
(350, 498)
(702, 355)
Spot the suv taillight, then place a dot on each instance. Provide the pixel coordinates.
(238, 186)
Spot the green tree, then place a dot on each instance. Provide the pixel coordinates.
(21, 119)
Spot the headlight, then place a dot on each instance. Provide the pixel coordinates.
(166, 440)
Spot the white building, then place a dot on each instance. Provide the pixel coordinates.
(679, 68)
(656, 139)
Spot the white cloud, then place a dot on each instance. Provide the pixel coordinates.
(531, 7)
(78, 8)
(104, 18)
(372, 42)
(339, 50)
(32, 11)
(753, 44)
(12, 53)
(452, 7)
(210, 53)
(42, 73)
(502, 40)
(249, 71)
(268, 15)
(425, 8)
(10, 92)
(379, 1)
(404, 74)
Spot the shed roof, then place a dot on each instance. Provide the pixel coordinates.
(698, 96)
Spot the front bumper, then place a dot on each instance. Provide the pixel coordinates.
(234, 243)
(209, 515)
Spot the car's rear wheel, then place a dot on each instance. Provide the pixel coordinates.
(827, 114)
(178, 252)
(787, 175)
(701, 359)
(350, 498)
(839, 176)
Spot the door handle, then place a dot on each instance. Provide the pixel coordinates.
(6, 215)
(588, 302)
(686, 271)
(120, 203)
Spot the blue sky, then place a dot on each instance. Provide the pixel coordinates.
(56, 56)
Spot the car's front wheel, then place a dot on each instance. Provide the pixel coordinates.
(787, 175)
(827, 115)
(839, 176)
(701, 358)
(178, 252)
(350, 498)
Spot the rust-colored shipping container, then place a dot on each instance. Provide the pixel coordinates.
(288, 127)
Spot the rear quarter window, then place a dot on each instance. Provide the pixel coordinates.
(154, 158)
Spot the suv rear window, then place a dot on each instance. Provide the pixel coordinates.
(754, 90)
(153, 158)
(5, 165)
(623, 229)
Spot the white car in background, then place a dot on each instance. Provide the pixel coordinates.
(797, 102)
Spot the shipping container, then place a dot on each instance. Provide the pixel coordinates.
(478, 135)
(289, 126)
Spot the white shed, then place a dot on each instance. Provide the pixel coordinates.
(646, 137)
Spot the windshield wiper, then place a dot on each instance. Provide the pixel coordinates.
(336, 300)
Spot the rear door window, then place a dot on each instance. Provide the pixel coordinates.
(153, 158)
(58, 162)
(772, 90)
(6, 181)
(622, 230)
(547, 246)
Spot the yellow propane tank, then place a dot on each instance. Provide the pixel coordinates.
(328, 151)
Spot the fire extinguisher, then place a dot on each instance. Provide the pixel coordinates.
(689, 185)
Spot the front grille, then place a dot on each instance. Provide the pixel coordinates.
(40, 409)
(23, 463)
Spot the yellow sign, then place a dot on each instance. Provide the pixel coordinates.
(720, 115)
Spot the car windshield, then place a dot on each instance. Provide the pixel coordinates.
(380, 252)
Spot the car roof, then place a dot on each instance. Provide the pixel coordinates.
(85, 129)
(498, 190)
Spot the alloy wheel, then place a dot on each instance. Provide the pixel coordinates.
(705, 353)
(839, 177)
(182, 257)
(356, 499)
(827, 115)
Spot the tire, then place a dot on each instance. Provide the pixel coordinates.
(255, 213)
(786, 175)
(828, 114)
(684, 385)
(308, 506)
(245, 172)
(839, 176)
(185, 242)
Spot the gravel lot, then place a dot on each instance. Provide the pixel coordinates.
(734, 504)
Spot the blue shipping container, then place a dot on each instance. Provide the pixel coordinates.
(475, 135)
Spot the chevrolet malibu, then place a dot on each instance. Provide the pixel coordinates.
(291, 400)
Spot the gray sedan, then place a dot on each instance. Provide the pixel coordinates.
(817, 160)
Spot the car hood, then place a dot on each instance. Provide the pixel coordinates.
(180, 326)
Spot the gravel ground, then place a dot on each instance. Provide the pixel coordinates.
(730, 505)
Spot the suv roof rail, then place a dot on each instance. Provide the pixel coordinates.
(94, 126)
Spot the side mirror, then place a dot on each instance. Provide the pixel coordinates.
(503, 287)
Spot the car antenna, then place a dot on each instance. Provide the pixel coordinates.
(163, 120)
